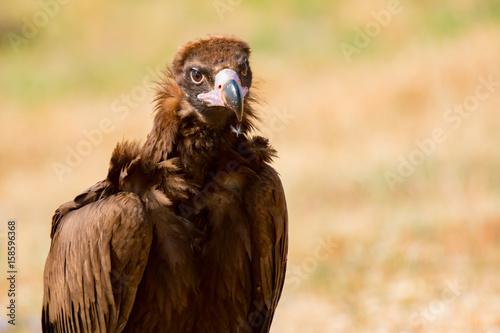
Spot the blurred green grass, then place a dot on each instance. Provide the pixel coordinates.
(394, 250)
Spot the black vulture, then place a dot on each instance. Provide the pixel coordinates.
(189, 231)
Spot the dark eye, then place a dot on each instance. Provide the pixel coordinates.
(244, 68)
(196, 76)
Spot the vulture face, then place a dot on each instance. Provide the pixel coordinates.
(215, 75)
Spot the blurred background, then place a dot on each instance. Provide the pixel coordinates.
(384, 114)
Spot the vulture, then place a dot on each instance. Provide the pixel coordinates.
(188, 232)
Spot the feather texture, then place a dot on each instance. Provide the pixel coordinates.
(188, 232)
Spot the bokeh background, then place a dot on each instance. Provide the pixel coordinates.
(393, 228)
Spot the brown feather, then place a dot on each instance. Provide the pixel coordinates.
(187, 233)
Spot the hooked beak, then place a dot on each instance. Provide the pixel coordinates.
(227, 92)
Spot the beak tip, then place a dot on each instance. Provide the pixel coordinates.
(239, 116)
(232, 97)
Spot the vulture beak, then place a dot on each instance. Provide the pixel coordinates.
(227, 92)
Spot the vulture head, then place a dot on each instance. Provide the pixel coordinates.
(203, 102)
(215, 76)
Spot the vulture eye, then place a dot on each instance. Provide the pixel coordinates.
(196, 76)
(244, 69)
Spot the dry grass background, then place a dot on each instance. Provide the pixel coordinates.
(420, 258)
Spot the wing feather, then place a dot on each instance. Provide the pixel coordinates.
(266, 205)
(96, 261)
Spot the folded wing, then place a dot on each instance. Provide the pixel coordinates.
(266, 205)
(96, 261)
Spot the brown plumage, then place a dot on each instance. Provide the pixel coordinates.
(187, 233)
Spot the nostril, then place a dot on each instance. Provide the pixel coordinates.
(220, 87)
